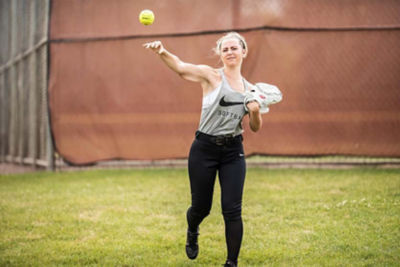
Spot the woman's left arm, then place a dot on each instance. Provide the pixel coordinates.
(255, 116)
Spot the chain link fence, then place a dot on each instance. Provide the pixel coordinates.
(26, 136)
(24, 124)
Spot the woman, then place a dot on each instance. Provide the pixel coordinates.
(218, 143)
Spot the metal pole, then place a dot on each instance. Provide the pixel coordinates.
(3, 111)
(33, 112)
(19, 109)
(13, 81)
(49, 139)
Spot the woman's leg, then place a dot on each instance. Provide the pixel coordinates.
(202, 167)
(232, 176)
(202, 173)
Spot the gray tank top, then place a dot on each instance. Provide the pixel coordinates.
(223, 110)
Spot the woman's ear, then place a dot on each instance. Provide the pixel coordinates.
(244, 53)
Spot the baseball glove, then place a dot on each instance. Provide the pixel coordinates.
(265, 94)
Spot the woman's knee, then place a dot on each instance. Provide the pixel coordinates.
(232, 213)
(198, 212)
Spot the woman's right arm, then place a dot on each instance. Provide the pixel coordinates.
(195, 73)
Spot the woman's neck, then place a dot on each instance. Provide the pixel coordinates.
(233, 73)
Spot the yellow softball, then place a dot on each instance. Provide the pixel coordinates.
(146, 17)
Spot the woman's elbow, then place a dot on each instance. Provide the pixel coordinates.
(255, 128)
(179, 68)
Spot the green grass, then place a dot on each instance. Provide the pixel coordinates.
(137, 218)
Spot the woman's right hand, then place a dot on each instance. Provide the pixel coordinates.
(155, 46)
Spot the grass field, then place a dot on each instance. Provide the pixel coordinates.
(137, 218)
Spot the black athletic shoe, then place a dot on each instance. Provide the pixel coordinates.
(192, 247)
(230, 263)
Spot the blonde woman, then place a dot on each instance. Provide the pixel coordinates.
(217, 147)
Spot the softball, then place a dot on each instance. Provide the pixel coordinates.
(146, 17)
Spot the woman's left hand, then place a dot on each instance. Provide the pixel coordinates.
(253, 106)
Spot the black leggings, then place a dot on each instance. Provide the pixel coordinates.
(205, 159)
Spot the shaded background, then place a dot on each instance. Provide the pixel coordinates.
(337, 64)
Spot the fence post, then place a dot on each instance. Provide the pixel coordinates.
(33, 112)
(3, 111)
(19, 109)
(12, 82)
(49, 140)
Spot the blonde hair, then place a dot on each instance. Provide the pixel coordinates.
(230, 35)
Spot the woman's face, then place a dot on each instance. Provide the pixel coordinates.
(232, 53)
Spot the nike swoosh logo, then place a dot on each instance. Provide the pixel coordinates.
(223, 103)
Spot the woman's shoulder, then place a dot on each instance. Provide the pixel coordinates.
(210, 70)
(213, 74)
(214, 79)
